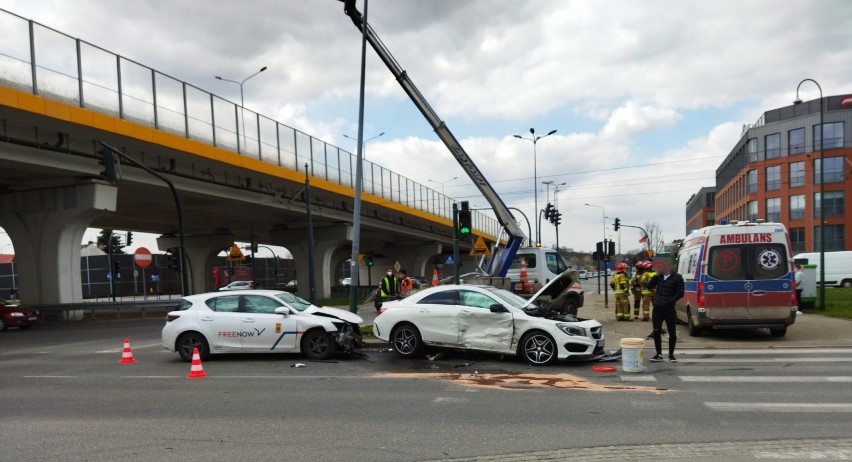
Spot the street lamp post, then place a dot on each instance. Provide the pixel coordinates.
(444, 183)
(534, 140)
(821, 190)
(242, 99)
(365, 141)
(363, 154)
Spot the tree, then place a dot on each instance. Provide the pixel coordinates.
(655, 236)
(116, 244)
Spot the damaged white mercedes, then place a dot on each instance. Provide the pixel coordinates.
(485, 318)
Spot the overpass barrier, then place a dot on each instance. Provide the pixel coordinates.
(37, 59)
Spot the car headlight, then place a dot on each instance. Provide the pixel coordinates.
(571, 329)
(16, 314)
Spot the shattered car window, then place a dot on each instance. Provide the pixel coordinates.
(294, 301)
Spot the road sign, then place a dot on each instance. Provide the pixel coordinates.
(235, 254)
(480, 249)
(397, 266)
(142, 257)
(448, 260)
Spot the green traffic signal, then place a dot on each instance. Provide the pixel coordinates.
(464, 230)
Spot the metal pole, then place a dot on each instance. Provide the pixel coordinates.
(110, 268)
(535, 189)
(456, 269)
(312, 277)
(359, 179)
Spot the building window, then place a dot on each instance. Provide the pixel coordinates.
(711, 219)
(773, 209)
(833, 204)
(797, 240)
(797, 174)
(751, 149)
(751, 212)
(833, 135)
(833, 238)
(773, 145)
(797, 207)
(751, 179)
(773, 178)
(796, 141)
(833, 170)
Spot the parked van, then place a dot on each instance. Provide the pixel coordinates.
(543, 266)
(838, 267)
(737, 276)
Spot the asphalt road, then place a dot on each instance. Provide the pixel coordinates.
(66, 397)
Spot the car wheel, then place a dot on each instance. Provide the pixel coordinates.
(571, 306)
(2, 325)
(406, 341)
(847, 283)
(780, 332)
(189, 341)
(694, 331)
(316, 344)
(538, 349)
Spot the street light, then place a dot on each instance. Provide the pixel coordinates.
(365, 141)
(556, 189)
(242, 98)
(821, 191)
(534, 140)
(443, 183)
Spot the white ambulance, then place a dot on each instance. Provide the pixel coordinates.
(737, 276)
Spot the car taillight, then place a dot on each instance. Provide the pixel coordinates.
(700, 292)
(793, 301)
(171, 317)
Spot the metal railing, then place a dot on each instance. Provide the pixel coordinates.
(51, 64)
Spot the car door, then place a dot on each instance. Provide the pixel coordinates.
(436, 316)
(262, 329)
(222, 323)
(479, 327)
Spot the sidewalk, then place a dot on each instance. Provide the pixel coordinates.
(810, 330)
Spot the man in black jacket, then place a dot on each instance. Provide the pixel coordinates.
(669, 289)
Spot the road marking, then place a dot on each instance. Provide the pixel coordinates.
(136, 347)
(763, 351)
(637, 378)
(449, 399)
(50, 376)
(779, 407)
(764, 378)
(764, 360)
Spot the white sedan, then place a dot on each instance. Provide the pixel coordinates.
(238, 285)
(258, 321)
(486, 318)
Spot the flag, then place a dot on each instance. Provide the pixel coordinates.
(644, 239)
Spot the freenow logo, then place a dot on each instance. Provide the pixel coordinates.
(234, 333)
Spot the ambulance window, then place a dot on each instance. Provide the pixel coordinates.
(555, 263)
(768, 261)
(727, 262)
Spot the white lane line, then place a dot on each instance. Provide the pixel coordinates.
(449, 399)
(762, 351)
(242, 377)
(637, 378)
(132, 347)
(779, 407)
(50, 376)
(763, 360)
(765, 379)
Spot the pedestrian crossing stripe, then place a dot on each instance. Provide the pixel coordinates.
(779, 407)
(764, 379)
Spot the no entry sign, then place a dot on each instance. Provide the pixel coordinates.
(142, 257)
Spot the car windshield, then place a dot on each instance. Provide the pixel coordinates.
(295, 301)
(511, 299)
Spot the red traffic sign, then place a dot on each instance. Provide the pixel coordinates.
(142, 257)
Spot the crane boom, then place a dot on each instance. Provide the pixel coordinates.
(501, 261)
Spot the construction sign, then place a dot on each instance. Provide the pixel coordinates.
(480, 249)
(235, 254)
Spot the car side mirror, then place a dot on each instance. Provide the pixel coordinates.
(283, 310)
(498, 308)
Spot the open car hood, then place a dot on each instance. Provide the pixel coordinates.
(556, 287)
(334, 313)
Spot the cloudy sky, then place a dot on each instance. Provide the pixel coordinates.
(647, 97)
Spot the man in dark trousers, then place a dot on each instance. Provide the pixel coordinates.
(669, 289)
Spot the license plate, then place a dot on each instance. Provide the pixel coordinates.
(32, 318)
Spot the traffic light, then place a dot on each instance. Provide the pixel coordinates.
(464, 220)
(617, 224)
(116, 269)
(129, 238)
(595, 256)
(369, 260)
(173, 258)
(548, 212)
(112, 165)
(557, 218)
(611, 249)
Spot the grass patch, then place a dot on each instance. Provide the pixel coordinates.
(367, 330)
(838, 302)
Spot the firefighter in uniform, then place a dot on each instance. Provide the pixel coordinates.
(647, 293)
(621, 285)
(636, 288)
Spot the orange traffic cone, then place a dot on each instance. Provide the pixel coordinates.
(525, 280)
(196, 371)
(434, 277)
(127, 353)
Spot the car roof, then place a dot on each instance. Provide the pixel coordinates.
(206, 295)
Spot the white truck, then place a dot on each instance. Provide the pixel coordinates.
(838, 267)
(543, 266)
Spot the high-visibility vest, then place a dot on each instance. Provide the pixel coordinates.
(389, 286)
(646, 278)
